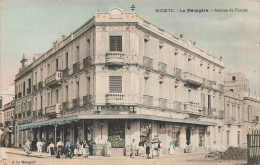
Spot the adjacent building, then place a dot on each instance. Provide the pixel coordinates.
(242, 109)
(120, 77)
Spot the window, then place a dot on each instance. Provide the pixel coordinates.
(189, 95)
(231, 90)
(116, 43)
(238, 138)
(233, 78)
(23, 88)
(49, 69)
(77, 54)
(57, 64)
(88, 86)
(115, 84)
(67, 94)
(77, 89)
(35, 77)
(29, 83)
(146, 47)
(57, 96)
(228, 132)
(1, 103)
(67, 60)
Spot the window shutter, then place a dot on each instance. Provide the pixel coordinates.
(116, 43)
(115, 84)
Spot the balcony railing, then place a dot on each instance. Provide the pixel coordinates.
(54, 79)
(193, 109)
(76, 103)
(114, 98)
(53, 109)
(87, 100)
(115, 58)
(162, 103)
(76, 67)
(148, 62)
(177, 106)
(65, 106)
(192, 79)
(177, 72)
(86, 62)
(221, 114)
(148, 100)
(162, 67)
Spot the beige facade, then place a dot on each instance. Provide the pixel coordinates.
(243, 109)
(122, 78)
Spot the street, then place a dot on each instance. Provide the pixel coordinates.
(17, 156)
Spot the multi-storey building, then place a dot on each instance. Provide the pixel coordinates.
(8, 127)
(247, 111)
(120, 77)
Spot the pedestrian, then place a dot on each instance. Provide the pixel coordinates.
(147, 150)
(107, 148)
(133, 149)
(171, 148)
(141, 151)
(160, 146)
(39, 147)
(27, 147)
(86, 149)
(51, 149)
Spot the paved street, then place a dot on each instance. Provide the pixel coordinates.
(17, 156)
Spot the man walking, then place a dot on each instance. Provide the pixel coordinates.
(133, 148)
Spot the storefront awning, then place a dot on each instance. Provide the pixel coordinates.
(147, 117)
(58, 121)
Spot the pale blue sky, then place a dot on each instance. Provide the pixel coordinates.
(31, 26)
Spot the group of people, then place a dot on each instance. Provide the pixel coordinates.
(150, 149)
(81, 148)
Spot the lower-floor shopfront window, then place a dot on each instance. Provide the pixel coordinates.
(145, 128)
(116, 133)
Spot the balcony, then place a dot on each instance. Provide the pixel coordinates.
(162, 103)
(192, 79)
(86, 62)
(115, 98)
(87, 100)
(35, 88)
(53, 109)
(209, 84)
(76, 67)
(65, 106)
(177, 72)
(76, 103)
(19, 94)
(54, 79)
(162, 67)
(148, 62)
(29, 90)
(40, 85)
(115, 58)
(177, 106)
(255, 119)
(148, 100)
(221, 114)
(65, 72)
(221, 87)
(192, 109)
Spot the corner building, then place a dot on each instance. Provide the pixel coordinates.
(119, 77)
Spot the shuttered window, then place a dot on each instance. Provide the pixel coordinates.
(115, 84)
(116, 43)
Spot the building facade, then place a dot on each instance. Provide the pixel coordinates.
(120, 77)
(243, 109)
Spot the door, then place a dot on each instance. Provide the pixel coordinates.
(188, 131)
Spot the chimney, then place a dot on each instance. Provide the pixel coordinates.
(23, 61)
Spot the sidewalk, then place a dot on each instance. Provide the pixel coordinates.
(21, 152)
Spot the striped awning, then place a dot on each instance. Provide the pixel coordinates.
(58, 121)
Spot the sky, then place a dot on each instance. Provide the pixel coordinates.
(31, 26)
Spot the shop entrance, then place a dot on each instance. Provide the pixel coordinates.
(116, 133)
(188, 131)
